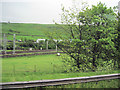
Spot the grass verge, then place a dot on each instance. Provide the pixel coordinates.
(41, 67)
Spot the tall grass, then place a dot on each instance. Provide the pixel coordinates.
(38, 68)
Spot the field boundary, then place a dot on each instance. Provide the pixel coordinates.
(6, 56)
(41, 83)
(28, 51)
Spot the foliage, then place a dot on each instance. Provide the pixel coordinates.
(10, 46)
(51, 45)
(103, 32)
(117, 40)
(25, 44)
(91, 33)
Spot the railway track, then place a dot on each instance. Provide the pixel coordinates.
(28, 51)
(40, 83)
(15, 55)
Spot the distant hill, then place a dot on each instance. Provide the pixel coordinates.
(25, 30)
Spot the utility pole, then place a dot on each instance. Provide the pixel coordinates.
(13, 43)
(47, 45)
(4, 43)
(56, 46)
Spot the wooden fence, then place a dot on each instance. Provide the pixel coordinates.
(40, 83)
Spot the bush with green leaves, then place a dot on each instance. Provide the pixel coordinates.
(10, 46)
(51, 44)
(91, 33)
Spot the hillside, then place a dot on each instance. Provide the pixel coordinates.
(23, 29)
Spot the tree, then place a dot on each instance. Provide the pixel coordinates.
(90, 36)
(103, 32)
(74, 45)
(117, 40)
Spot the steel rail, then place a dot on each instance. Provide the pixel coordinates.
(28, 51)
(6, 56)
(40, 83)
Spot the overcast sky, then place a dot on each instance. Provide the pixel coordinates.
(40, 11)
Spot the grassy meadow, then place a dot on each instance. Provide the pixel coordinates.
(29, 29)
(39, 67)
(25, 66)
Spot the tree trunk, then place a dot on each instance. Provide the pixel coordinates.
(94, 58)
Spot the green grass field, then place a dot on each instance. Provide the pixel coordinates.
(29, 29)
(35, 65)
(40, 67)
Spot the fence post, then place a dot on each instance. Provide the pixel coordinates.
(13, 43)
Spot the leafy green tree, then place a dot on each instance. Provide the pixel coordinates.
(118, 44)
(90, 36)
(102, 29)
(74, 44)
(117, 41)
